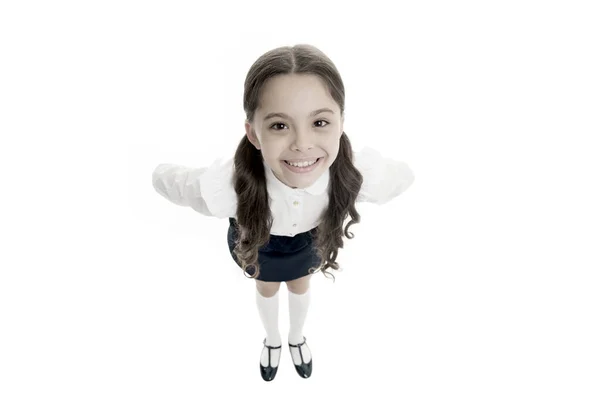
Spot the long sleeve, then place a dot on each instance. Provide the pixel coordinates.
(180, 185)
(208, 190)
(383, 178)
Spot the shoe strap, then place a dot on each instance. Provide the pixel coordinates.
(299, 344)
(270, 347)
(299, 349)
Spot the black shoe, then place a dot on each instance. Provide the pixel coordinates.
(304, 370)
(268, 373)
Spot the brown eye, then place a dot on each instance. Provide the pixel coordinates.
(276, 124)
(322, 120)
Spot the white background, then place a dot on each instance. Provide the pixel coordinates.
(479, 282)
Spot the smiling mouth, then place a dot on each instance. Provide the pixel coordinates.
(312, 162)
(302, 161)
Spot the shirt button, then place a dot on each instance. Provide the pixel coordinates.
(296, 203)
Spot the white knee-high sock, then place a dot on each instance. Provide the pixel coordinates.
(299, 304)
(268, 308)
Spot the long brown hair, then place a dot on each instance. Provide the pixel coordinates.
(254, 218)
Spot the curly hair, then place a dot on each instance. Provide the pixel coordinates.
(254, 217)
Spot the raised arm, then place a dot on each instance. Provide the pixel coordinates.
(383, 178)
(180, 185)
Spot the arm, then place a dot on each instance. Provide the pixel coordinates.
(383, 178)
(180, 185)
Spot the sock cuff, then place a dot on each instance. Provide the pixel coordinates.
(305, 294)
(262, 298)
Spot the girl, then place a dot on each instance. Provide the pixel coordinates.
(288, 189)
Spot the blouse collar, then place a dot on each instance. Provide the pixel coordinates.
(317, 188)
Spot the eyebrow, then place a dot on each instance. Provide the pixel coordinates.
(283, 115)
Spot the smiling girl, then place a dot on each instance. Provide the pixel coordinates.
(293, 181)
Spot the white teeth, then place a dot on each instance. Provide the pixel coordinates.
(301, 165)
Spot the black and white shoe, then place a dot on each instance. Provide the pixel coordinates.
(268, 373)
(304, 369)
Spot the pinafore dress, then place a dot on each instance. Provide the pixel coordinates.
(283, 258)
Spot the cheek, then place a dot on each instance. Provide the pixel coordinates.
(332, 146)
(271, 155)
(273, 149)
(332, 152)
(270, 142)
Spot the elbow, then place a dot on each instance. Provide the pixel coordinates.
(407, 177)
(157, 179)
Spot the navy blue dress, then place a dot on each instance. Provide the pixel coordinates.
(283, 258)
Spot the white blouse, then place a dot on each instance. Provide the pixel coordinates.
(210, 190)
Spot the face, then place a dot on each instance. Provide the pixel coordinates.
(300, 131)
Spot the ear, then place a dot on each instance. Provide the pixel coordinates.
(251, 135)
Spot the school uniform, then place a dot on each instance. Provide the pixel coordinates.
(290, 253)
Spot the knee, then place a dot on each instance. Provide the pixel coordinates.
(300, 285)
(267, 289)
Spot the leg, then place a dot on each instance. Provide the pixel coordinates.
(300, 285)
(267, 289)
(299, 301)
(267, 300)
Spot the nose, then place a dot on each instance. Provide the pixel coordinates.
(303, 141)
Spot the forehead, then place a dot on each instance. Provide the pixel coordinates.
(295, 93)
